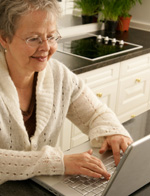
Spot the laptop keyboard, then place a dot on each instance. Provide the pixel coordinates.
(89, 186)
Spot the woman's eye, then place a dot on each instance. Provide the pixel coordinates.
(51, 38)
(34, 39)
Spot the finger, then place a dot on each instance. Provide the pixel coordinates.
(130, 141)
(90, 173)
(90, 151)
(104, 147)
(98, 162)
(96, 165)
(95, 171)
(116, 153)
(124, 146)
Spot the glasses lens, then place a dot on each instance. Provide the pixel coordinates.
(55, 38)
(33, 41)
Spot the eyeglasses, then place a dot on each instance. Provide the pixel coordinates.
(36, 41)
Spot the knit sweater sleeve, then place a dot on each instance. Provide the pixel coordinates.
(20, 165)
(94, 118)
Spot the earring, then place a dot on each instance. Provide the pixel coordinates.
(5, 50)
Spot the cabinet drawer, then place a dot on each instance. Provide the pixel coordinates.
(134, 65)
(107, 94)
(101, 76)
(131, 114)
(133, 91)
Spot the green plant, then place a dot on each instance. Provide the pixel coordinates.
(111, 9)
(127, 5)
(88, 7)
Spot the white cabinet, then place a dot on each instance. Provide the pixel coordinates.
(133, 87)
(77, 137)
(124, 87)
(104, 82)
(107, 93)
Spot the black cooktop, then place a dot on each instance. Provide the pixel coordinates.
(96, 47)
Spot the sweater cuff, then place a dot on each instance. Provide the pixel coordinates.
(97, 136)
(52, 161)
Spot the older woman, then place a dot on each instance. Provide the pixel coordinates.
(38, 93)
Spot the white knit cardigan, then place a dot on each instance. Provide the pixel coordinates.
(59, 93)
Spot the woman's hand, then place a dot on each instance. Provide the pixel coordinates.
(85, 164)
(116, 143)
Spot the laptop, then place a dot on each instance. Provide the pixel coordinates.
(132, 173)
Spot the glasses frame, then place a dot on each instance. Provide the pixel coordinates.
(49, 40)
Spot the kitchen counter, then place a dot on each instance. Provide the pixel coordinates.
(79, 65)
(29, 188)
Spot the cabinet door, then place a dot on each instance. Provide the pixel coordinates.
(77, 137)
(133, 91)
(107, 93)
(131, 114)
(134, 65)
(64, 140)
(101, 76)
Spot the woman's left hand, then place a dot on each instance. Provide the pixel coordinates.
(116, 143)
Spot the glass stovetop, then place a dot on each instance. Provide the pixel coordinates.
(96, 47)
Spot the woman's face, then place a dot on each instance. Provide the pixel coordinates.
(25, 58)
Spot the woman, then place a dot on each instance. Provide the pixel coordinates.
(38, 92)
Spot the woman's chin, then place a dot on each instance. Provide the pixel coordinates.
(39, 67)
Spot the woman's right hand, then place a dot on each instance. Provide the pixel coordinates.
(85, 164)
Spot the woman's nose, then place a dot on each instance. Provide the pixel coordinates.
(45, 45)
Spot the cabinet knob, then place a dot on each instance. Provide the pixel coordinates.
(133, 116)
(99, 94)
(138, 80)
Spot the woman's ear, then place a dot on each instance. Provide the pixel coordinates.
(3, 41)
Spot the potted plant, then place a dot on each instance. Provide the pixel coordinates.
(125, 17)
(89, 9)
(110, 12)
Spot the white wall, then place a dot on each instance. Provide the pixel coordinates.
(67, 6)
(141, 15)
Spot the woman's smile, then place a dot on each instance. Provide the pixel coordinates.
(40, 58)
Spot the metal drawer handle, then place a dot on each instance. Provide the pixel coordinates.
(99, 94)
(138, 80)
(133, 116)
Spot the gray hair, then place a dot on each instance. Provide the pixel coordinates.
(12, 10)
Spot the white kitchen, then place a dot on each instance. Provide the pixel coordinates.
(124, 85)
